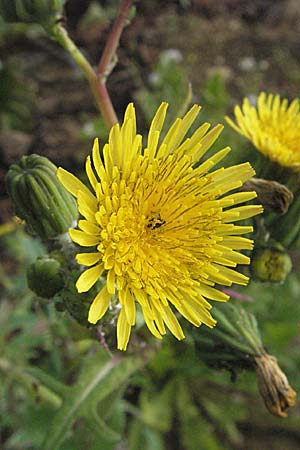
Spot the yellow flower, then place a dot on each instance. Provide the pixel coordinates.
(160, 224)
(273, 128)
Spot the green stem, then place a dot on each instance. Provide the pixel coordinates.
(245, 348)
(32, 384)
(97, 85)
(250, 338)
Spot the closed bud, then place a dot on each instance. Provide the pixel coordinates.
(44, 12)
(44, 277)
(271, 264)
(39, 198)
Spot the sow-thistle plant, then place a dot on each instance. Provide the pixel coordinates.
(161, 226)
(273, 126)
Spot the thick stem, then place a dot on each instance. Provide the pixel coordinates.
(108, 56)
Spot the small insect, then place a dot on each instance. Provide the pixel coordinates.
(155, 222)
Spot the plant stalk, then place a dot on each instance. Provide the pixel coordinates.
(108, 58)
(97, 86)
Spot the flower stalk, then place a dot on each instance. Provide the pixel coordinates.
(97, 86)
(108, 57)
(97, 77)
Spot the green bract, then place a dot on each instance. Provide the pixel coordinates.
(39, 198)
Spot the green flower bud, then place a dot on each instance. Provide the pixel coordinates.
(44, 277)
(44, 12)
(271, 264)
(39, 198)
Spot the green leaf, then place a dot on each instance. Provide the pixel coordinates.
(195, 431)
(88, 397)
(157, 407)
(143, 437)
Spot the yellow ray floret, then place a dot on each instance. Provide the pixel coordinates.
(161, 228)
(273, 126)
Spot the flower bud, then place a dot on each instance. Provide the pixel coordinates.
(44, 12)
(271, 264)
(44, 277)
(39, 198)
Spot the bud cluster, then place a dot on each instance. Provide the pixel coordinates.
(44, 12)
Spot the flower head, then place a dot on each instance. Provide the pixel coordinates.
(273, 127)
(160, 224)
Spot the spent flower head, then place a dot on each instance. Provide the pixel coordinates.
(161, 224)
(273, 126)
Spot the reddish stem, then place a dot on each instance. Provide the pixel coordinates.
(105, 104)
(112, 42)
(102, 341)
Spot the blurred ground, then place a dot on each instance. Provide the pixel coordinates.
(255, 45)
